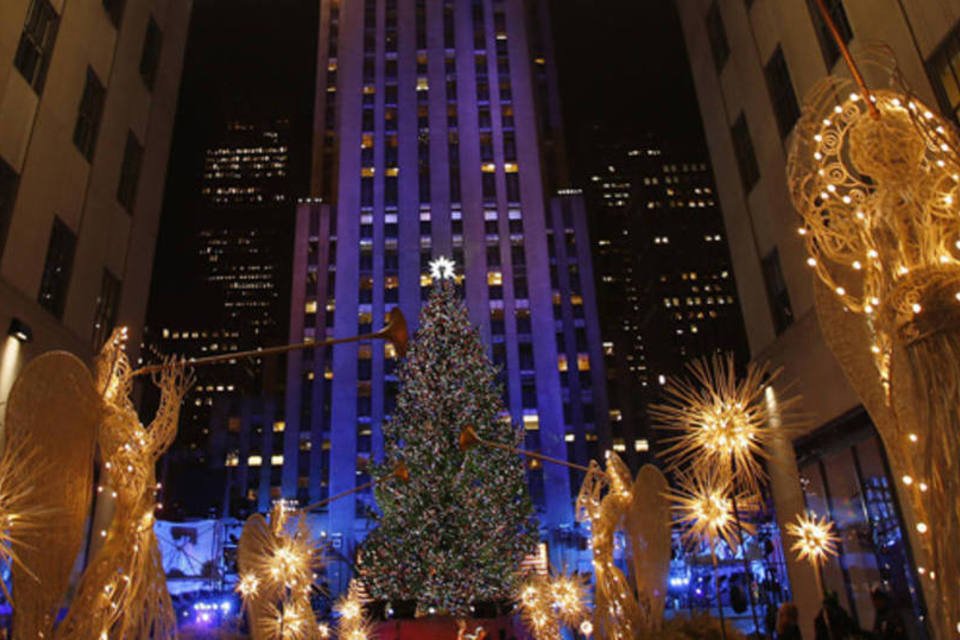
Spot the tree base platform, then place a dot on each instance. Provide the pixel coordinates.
(445, 628)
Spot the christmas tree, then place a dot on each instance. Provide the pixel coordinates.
(456, 532)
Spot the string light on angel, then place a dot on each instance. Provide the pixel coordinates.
(875, 177)
(123, 591)
(613, 500)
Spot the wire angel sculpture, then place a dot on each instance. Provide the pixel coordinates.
(123, 591)
(613, 500)
(879, 199)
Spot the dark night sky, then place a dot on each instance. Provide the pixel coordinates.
(623, 64)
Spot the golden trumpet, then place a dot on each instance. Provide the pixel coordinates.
(469, 439)
(395, 332)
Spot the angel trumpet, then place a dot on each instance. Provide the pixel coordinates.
(400, 472)
(394, 332)
(469, 439)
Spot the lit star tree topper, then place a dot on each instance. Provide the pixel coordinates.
(443, 268)
(456, 532)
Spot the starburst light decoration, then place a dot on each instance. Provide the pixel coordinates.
(722, 420)
(550, 602)
(442, 268)
(816, 539)
(21, 516)
(279, 562)
(353, 624)
(702, 501)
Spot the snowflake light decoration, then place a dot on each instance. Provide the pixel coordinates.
(442, 268)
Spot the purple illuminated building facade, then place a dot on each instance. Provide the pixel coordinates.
(437, 133)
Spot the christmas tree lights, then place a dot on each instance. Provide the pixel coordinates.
(455, 533)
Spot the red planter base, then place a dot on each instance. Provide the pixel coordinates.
(444, 628)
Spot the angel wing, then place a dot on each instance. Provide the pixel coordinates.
(648, 530)
(54, 402)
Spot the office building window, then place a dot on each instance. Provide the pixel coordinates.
(746, 158)
(150, 58)
(88, 115)
(944, 71)
(130, 172)
(782, 96)
(777, 294)
(36, 43)
(9, 182)
(114, 9)
(828, 47)
(717, 36)
(57, 268)
(108, 302)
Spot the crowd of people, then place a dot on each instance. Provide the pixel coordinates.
(834, 623)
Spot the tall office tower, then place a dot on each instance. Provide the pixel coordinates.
(664, 281)
(687, 290)
(752, 62)
(610, 193)
(239, 159)
(86, 110)
(236, 277)
(431, 128)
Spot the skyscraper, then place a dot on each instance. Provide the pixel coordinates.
(87, 102)
(238, 276)
(437, 133)
(664, 281)
(238, 163)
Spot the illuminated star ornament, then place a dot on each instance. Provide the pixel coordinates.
(442, 268)
(816, 538)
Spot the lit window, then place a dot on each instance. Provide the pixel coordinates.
(254, 461)
(422, 84)
(583, 362)
(570, 437)
(367, 172)
(233, 459)
(510, 167)
(619, 445)
(488, 167)
(641, 444)
(531, 422)
(279, 426)
(276, 460)
(310, 307)
(392, 171)
(616, 415)
(562, 362)
(494, 278)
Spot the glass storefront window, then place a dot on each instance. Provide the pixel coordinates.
(844, 474)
